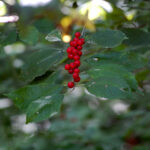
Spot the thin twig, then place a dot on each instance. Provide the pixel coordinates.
(82, 33)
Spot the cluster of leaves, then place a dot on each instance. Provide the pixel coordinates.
(85, 124)
(115, 66)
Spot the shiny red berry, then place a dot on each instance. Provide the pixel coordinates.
(69, 50)
(74, 52)
(77, 79)
(77, 34)
(73, 48)
(73, 43)
(72, 65)
(76, 57)
(75, 75)
(70, 71)
(70, 56)
(75, 39)
(70, 84)
(79, 53)
(77, 63)
(76, 70)
(67, 66)
(80, 42)
(83, 41)
(79, 47)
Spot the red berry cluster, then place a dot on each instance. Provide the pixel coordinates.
(74, 52)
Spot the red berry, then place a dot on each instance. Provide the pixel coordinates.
(67, 66)
(75, 39)
(79, 47)
(70, 84)
(74, 51)
(77, 79)
(76, 70)
(79, 53)
(80, 42)
(75, 75)
(70, 71)
(70, 56)
(73, 48)
(76, 57)
(69, 50)
(77, 63)
(72, 65)
(73, 43)
(77, 34)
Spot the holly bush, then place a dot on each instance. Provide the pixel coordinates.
(109, 109)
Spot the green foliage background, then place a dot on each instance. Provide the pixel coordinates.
(115, 72)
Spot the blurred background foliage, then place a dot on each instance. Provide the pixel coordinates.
(93, 116)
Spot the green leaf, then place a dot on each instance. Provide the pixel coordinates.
(138, 49)
(111, 81)
(54, 36)
(46, 106)
(39, 101)
(29, 35)
(8, 37)
(114, 70)
(44, 25)
(137, 37)
(108, 38)
(141, 147)
(142, 75)
(130, 60)
(110, 87)
(40, 61)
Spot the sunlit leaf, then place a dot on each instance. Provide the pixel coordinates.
(54, 36)
(77, 18)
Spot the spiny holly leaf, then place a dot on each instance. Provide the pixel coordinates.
(137, 37)
(39, 101)
(40, 61)
(108, 38)
(111, 81)
(29, 35)
(54, 36)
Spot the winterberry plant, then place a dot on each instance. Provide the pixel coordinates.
(92, 96)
